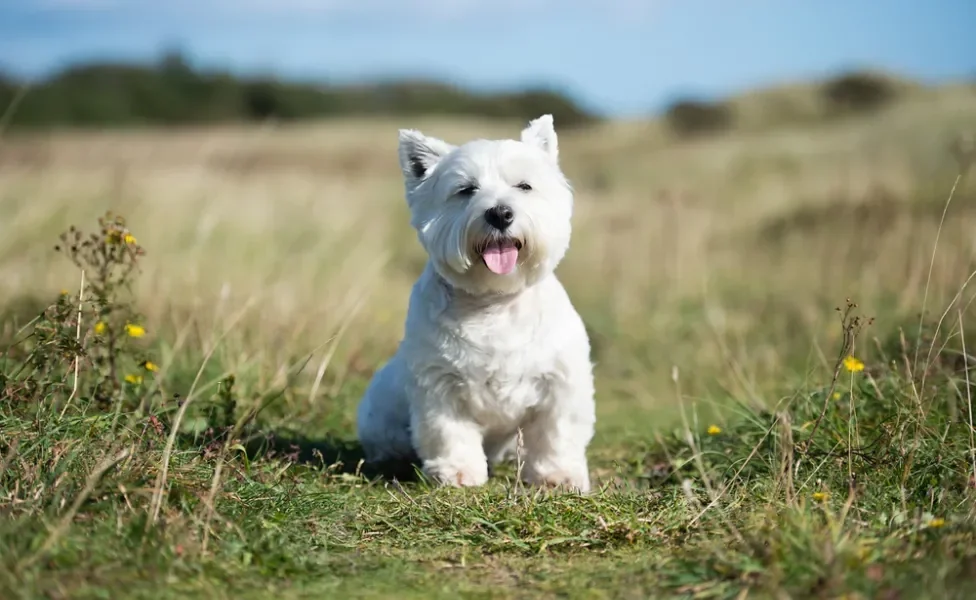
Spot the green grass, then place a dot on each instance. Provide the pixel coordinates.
(128, 491)
(278, 262)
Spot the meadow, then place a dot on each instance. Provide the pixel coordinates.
(779, 315)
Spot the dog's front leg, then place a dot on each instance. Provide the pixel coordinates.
(450, 447)
(556, 438)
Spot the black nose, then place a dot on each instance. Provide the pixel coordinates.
(500, 217)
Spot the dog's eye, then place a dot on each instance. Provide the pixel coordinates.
(524, 186)
(467, 191)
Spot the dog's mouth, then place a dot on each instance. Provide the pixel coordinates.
(501, 255)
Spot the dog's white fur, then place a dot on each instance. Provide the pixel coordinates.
(484, 354)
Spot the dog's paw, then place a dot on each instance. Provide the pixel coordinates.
(576, 480)
(447, 474)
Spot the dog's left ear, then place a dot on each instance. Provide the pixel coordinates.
(541, 134)
(419, 154)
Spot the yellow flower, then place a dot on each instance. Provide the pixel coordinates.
(714, 430)
(64, 292)
(853, 365)
(836, 395)
(936, 522)
(136, 331)
(150, 366)
(129, 238)
(820, 496)
(133, 379)
(113, 237)
(100, 328)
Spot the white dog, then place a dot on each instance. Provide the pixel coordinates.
(492, 342)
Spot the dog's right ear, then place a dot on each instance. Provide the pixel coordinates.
(419, 154)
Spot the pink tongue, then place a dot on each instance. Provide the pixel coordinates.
(500, 259)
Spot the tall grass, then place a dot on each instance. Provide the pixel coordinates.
(182, 423)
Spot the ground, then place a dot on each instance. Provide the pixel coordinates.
(758, 434)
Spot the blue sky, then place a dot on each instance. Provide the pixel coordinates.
(621, 57)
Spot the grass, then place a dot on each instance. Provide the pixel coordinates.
(736, 453)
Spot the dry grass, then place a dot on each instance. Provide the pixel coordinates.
(747, 238)
(711, 266)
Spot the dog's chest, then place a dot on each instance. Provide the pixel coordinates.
(507, 366)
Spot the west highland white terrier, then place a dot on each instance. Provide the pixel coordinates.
(492, 343)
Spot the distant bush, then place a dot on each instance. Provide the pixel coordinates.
(857, 92)
(688, 118)
(172, 92)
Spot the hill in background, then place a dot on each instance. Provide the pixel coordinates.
(171, 92)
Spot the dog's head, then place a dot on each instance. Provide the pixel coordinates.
(493, 215)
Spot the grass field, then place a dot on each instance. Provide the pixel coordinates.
(737, 453)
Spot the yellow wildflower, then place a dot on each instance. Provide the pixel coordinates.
(129, 238)
(937, 522)
(853, 364)
(150, 366)
(836, 395)
(100, 328)
(133, 379)
(714, 430)
(64, 292)
(820, 496)
(136, 331)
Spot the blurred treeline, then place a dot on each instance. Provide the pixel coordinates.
(171, 92)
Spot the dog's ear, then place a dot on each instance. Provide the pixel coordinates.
(541, 134)
(419, 154)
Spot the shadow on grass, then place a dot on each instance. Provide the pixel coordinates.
(336, 455)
